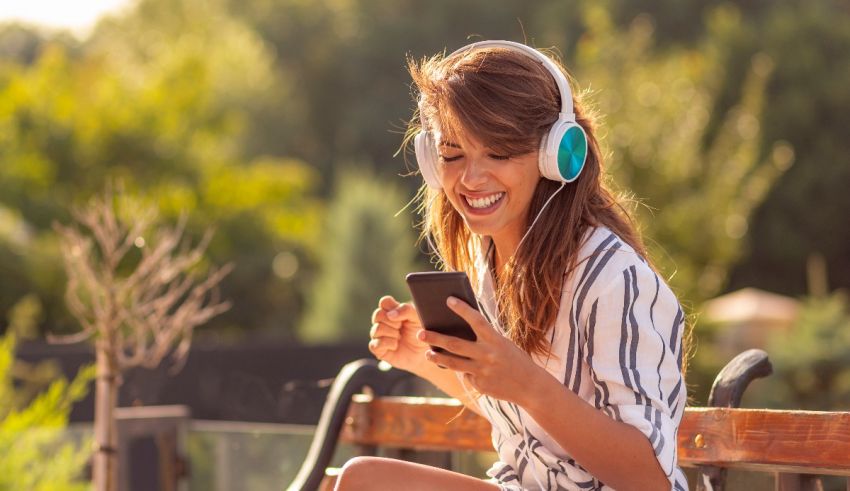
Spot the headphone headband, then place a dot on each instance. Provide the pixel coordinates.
(563, 149)
(563, 86)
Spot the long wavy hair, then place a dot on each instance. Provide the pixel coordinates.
(507, 101)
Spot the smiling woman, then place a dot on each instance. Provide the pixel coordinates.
(577, 363)
(493, 192)
(78, 16)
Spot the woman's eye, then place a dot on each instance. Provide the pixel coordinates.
(450, 159)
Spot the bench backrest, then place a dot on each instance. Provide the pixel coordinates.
(750, 439)
(796, 445)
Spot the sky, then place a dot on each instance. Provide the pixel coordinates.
(76, 15)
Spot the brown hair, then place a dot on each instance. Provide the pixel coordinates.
(508, 101)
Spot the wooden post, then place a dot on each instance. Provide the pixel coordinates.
(166, 427)
(105, 437)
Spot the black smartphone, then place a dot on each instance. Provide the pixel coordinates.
(430, 291)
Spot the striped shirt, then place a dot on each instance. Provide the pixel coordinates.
(617, 344)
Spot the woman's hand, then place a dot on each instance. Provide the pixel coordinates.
(495, 365)
(393, 335)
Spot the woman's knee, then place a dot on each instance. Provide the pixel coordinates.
(358, 473)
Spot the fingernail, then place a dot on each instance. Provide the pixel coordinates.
(392, 314)
(452, 301)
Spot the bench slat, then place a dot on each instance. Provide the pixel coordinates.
(415, 422)
(753, 439)
(762, 439)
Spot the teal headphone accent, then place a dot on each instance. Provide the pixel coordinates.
(563, 149)
(572, 152)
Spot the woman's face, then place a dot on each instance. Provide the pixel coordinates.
(491, 191)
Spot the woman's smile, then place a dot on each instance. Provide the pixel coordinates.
(482, 204)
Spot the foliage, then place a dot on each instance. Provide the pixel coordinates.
(656, 111)
(805, 212)
(351, 97)
(169, 122)
(811, 361)
(36, 453)
(22, 44)
(367, 252)
(242, 112)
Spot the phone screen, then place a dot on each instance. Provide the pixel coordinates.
(430, 291)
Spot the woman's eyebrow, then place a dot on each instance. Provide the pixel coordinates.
(444, 143)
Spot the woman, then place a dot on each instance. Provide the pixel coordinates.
(578, 361)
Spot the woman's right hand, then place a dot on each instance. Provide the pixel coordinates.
(393, 335)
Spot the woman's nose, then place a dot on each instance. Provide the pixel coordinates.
(474, 174)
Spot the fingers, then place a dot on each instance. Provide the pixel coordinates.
(400, 312)
(455, 345)
(384, 338)
(387, 302)
(381, 346)
(382, 330)
(472, 317)
(449, 361)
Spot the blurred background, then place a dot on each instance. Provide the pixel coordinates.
(279, 123)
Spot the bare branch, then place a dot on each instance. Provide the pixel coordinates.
(70, 338)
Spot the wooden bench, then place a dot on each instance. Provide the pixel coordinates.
(795, 445)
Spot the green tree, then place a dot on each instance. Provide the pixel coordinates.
(21, 43)
(656, 109)
(351, 96)
(37, 456)
(367, 251)
(807, 101)
(811, 361)
(167, 117)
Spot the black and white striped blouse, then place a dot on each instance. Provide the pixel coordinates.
(617, 343)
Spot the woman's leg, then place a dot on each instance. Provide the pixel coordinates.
(377, 473)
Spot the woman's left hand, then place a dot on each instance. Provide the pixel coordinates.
(495, 366)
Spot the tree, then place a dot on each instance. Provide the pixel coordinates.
(657, 110)
(37, 456)
(807, 101)
(367, 252)
(811, 361)
(170, 122)
(137, 309)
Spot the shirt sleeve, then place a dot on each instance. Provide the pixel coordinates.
(633, 348)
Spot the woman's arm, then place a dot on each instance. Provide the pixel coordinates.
(616, 453)
(634, 451)
(632, 348)
(448, 381)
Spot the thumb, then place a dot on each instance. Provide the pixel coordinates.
(387, 302)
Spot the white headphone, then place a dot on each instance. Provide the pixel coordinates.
(563, 149)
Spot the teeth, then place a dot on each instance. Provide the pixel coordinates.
(485, 201)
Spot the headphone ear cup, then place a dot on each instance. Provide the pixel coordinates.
(426, 158)
(563, 152)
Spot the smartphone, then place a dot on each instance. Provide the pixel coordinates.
(430, 291)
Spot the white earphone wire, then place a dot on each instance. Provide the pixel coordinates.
(539, 213)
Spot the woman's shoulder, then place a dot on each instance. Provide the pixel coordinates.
(603, 258)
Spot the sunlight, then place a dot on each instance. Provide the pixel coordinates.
(78, 16)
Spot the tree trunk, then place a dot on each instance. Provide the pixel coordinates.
(105, 469)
